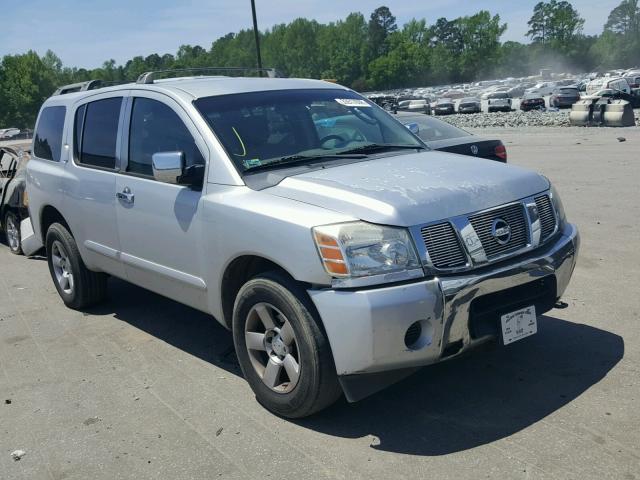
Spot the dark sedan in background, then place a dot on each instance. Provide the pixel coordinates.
(470, 105)
(564, 97)
(444, 106)
(443, 136)
(532, 101)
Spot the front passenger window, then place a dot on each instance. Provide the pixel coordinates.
(155, 127)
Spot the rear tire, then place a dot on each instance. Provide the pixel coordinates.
(292, 374)
(12, 233)
(78, 286)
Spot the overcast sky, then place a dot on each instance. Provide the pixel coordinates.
(85, 34)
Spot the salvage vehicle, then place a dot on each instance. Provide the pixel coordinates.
(470, 105)
(13, 204)
(341, 252)
(444, 106)
(564, 97)
(532, 101)
(499, 102)
(443, 136)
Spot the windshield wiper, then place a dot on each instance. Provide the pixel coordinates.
(380, 147)
(298, 159)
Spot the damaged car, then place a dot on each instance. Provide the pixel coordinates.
(532, 101)
(13, 198)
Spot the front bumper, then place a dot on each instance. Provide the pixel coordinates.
(366, 328)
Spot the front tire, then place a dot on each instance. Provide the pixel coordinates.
(78, 286)
(282, 350)
(12, 233)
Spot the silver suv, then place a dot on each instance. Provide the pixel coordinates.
(340, 251)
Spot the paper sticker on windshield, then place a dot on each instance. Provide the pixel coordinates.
(253, 162)
(352, 102)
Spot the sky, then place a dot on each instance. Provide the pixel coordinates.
(85, 33)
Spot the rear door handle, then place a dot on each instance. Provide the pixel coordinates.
(126, 196)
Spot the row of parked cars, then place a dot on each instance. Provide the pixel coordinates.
(340, 249)
(468, 98)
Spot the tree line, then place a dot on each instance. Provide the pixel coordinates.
(363, 53)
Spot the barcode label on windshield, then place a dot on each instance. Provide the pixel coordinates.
(352, 102)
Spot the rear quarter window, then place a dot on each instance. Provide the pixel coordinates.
(47, 143)
(96, 132)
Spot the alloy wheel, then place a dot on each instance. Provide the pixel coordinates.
(272, 347)
(12, 233)
(62, 267)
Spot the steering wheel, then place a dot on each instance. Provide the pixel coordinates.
(324, 140)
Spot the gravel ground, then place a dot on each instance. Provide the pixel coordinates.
(515, 119)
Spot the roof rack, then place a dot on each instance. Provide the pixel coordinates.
(149, 77)
(78, 87)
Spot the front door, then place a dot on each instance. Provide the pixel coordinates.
(159, 223)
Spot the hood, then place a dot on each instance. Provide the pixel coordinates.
(410, 189)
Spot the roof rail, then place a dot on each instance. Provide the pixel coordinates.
(79, 87)
(149, 77)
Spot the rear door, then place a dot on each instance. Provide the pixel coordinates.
(159, 224)
(91, 179)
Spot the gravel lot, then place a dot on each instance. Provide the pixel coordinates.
(143, 387)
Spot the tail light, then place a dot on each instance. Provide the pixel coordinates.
(501, 152)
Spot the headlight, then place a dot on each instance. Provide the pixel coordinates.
(557, 204)
(360, 253)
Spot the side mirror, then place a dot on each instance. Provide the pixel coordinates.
(168, 166)
(413, 127)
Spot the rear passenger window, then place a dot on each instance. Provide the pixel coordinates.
(47, 143)
(155, 127)
(96, 132)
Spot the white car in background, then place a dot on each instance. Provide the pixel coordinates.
(608, 83)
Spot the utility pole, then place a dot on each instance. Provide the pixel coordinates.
(257, 35)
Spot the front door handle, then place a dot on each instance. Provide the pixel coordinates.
(126, 196)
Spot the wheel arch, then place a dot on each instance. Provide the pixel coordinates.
(238, 272)
(48, 216)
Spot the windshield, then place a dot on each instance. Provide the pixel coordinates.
(274, 128)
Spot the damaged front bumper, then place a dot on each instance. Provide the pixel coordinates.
(442, 317)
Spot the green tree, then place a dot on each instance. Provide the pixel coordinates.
(342, 50)
(554, 22)
(25, 82)
(624, 19)
(381, 24)
(480, 34)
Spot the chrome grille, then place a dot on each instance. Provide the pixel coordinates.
(443, 246)
(514, 215)
(546, 215)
